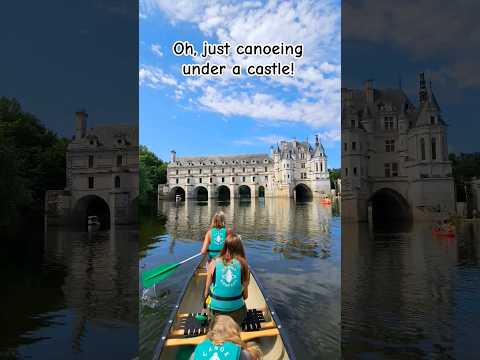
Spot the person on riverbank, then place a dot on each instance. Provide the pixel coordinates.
(227, 282)
(224, 343)
(215, 236)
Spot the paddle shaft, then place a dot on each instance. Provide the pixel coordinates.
(173, 266)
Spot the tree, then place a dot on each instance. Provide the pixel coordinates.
(32, 159)
(153, 171)
(335, 174)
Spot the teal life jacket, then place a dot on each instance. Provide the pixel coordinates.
(217, 240)
(226, 291)
(209, 351)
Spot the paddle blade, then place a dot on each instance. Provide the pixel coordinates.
(155, 275)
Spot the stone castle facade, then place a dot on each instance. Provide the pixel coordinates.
(102, 175)
(294, 169)
(394, 155)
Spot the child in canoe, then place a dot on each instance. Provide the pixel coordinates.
(224, 343)
(227, 282)
(215, 237)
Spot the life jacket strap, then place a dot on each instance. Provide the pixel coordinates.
(225, 298)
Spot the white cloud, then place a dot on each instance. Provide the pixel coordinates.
(311, 97)
(156, 49)
(155, 77)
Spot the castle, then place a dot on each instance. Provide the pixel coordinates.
(101, 175)
(295, 169)
(394, 155)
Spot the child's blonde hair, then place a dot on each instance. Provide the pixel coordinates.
(224, 328)
(218, 220)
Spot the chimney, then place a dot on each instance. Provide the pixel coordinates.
(173, 156)
(422, 88)
(317, 142)
(80, 124)
(369, 91)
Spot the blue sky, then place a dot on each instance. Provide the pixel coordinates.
(203, 116)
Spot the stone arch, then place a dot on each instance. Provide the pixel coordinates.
(244, 192)
(261, 191)
(92, 205)
(302, 192)
(177, 190)
(201, 193)
(223, 193)
(389, 206)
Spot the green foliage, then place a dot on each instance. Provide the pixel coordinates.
(335, 174)
(153, 171)
(32, 160)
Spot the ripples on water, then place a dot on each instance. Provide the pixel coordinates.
(410, 295)
(293, 247)
(71, 296)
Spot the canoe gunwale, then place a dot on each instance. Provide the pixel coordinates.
(171, 319)
(274, 314)
(173, 315)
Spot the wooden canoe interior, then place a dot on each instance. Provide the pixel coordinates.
(268, 338)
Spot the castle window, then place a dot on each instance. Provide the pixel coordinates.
(188, 171)
(176, 172)
(200, 180)
(346, 171)
(266, 178)
(211, 180)
(266, 169)
(265, 161)
(117, 182)
(352, 123)
(233, 179)
(288, 166)
(387, 169)
(321, 167)
(432, 120)
(355, 171)
(388, 122)
(422, 148)
(200, 171)
(188, 181)
(243, 169)
(90, 161)
(354, 145)
(211, 171)
(176, 181)
(390, 145)
(316, 167)
(302, 165)
(91, 182)
(288, 176)
(434, 148)
(119, 160)
(253, 178)
(253, 170)
(223, 179)
(223, 170)
(345, 147)
(394, 169)
(233, 170)
(243, 178)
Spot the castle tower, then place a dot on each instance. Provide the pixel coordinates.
(80, 124)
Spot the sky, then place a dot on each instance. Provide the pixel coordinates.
(58, 57)
(384, 41)
(237, 115)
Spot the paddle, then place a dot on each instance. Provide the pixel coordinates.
(162, 272)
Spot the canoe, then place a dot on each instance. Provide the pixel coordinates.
(183, 331)
(443, 233)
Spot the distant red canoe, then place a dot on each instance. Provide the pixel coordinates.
(326, 201)
(443, 233)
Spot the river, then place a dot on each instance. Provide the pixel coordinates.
(410, 295)
(293, 247)
(70, 295)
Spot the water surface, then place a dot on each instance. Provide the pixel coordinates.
(70, 295)
(409, 294)
(293, 247)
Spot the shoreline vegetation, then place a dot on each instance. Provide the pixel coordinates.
(32, 159)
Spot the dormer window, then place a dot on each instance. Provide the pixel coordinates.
(432, 120)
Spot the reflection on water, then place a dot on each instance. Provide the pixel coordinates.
(74, 295)
(410, 295)
(294, 248)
